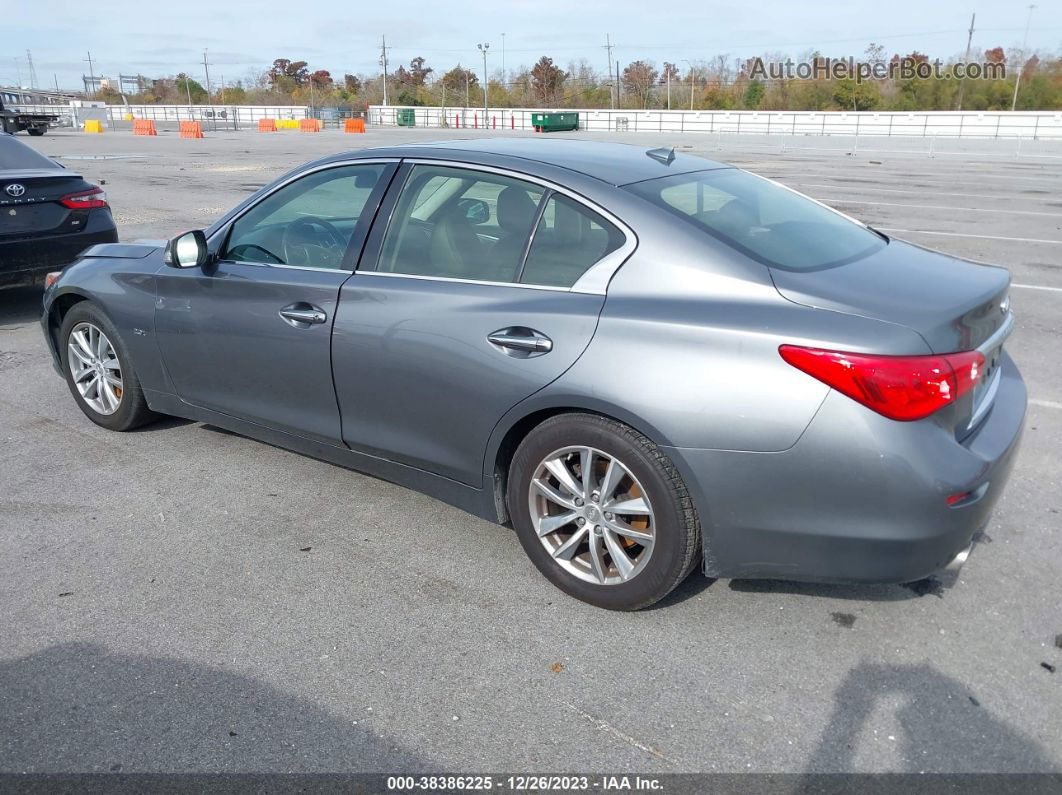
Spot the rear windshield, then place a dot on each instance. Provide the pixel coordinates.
(767, 222)
(15, 155)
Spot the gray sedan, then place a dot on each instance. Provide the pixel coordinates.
(642, 360)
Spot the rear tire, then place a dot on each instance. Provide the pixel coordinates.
(35, 131)
(108, 393)
(653, 525)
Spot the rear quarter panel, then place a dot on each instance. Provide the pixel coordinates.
(686, 349)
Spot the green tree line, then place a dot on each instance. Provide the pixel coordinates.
(719, 83)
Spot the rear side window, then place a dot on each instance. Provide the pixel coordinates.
(568, 240)
(767, 222)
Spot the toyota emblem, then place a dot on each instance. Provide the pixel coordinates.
(15, 189)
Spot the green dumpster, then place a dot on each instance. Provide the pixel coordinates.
(406, 117)
(555, 122)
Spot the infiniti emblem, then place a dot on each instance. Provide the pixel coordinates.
(15, 189)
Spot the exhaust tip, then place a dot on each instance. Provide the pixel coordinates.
(958, 561)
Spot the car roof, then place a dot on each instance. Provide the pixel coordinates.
(614, 163)
(17, 156)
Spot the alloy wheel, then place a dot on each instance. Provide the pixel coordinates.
(94, 368)
(592, 515)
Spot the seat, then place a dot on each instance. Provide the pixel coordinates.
(455, 249)
(516, 213)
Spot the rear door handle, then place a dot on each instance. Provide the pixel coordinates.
(521, 341)
(303, 315)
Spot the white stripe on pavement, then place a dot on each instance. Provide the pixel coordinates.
(1047, 404)
(1037, 287)
(941, 207)
(963, 234)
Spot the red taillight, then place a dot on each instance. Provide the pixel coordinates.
(85, 200)
(898, 387)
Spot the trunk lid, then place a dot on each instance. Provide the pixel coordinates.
(36, 209)
(953, 304)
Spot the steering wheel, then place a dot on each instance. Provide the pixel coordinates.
(313, 242)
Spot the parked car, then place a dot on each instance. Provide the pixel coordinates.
(48, 215)
(644, 361)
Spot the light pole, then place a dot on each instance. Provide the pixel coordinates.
(1024, 45)
(691, 82)
(483, 49)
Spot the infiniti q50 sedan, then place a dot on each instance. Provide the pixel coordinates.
(642, 360)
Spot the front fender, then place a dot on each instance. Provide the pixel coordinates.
(124, 288)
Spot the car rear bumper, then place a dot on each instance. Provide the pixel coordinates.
(26, 261)
(859, 498)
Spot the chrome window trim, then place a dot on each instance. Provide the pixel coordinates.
(224, 230)
(422, 277)
(284, 265)
(595, 279)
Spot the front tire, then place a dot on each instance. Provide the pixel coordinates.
(602, 512)
(99, 371)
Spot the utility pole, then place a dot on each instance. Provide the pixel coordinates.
(668, 68)
(92, 76)
(691, 81)
(383, 62)
(966, 60)
(56, 79)
(483, 49)
(1024, 46)
(206, 68)
(32, 71)
(503, 59)
(611, 90)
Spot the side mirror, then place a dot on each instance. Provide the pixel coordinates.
(188, 250)
(476, 211)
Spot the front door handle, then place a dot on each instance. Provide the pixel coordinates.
(520, 341)
(303, 315)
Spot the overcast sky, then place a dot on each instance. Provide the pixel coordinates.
(163, 37)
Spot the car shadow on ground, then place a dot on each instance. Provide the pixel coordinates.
(925, 721)
(20, 305)
(79, 707)
(936, 585)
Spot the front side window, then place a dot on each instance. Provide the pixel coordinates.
(460, 224)
(765, 221)
(309, 222)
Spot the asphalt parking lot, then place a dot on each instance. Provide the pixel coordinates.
(184, 599)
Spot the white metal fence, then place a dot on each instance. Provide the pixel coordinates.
(242, 113)
(1038, 125)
